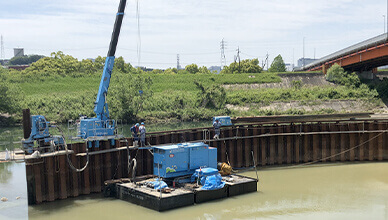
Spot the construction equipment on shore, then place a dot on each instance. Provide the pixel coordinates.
(39, 138)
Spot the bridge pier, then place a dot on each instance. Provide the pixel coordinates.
(370, 74)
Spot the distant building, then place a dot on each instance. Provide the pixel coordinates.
(304, 61)
(289, 67)
(18, 52)
(215, 68)
(145, 69)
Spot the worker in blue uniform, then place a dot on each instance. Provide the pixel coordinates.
(142, 131)
(135, 131)
(217, 129)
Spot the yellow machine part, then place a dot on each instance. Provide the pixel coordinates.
(225, 169)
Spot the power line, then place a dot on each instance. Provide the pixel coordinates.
(166, 53)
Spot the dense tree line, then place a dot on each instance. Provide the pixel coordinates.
(25, 60)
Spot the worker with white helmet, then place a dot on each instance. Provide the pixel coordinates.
(142, 131)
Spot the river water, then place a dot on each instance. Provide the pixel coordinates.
(331, 191)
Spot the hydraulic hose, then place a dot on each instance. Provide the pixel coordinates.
(67, 154)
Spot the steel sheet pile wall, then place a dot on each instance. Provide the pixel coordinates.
(52, 178)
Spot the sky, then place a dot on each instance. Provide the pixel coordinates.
(191, 28)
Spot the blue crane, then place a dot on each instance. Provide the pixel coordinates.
(102, 127)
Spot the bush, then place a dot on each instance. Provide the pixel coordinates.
(213, 96)
(192, 68)
(296, 84)
(11, 97)
(245, 66)
(382, 88)
(338, 75)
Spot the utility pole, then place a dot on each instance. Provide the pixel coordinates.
(293, 58)
(314, 53)
(178, 66)
(303, 52)
(223, 59)
(265, 62)
(384, 23)
(2, 48)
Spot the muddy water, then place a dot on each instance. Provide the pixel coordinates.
(341, 191)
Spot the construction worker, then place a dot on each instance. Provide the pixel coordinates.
(135, 131)
(217, 130)
(142, 131)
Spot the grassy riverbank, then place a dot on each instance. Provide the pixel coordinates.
(167, 96)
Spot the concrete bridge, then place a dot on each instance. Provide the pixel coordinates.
(363, 57)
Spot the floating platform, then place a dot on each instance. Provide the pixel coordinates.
(185, 195)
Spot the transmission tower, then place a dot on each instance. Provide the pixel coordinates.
(237, 57)
(2, 48)
(178, 66)
(223, 59)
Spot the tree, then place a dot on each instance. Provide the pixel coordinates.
(338, 75)
(204, 70)
(127, 94)
(245, 66)
(10, 96)
(25, 60)
(213, 97)
(278, 65)
(192, 68)
(99, 62)
(120, 65)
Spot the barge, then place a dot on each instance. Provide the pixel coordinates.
(184, 174)
(186, 194)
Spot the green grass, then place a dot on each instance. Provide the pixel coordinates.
(61, 85)
(161, 82)
(242, 96)
(184, 82)
(174, 96)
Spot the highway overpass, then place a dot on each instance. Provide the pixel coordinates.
(365, 56)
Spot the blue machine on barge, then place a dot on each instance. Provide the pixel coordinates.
(184, 174)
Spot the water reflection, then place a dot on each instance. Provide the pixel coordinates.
(334, 191)
(5, 172)
(353, 191)
(14, 188)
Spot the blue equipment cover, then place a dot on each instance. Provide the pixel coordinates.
(209, 177)
(225, 120)
(158, 184)
(213, 182)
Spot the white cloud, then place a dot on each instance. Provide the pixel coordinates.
(83, 28)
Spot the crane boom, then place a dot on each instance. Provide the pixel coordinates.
(100, 106)
(102, 126)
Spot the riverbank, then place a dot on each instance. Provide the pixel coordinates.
(192, 97)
